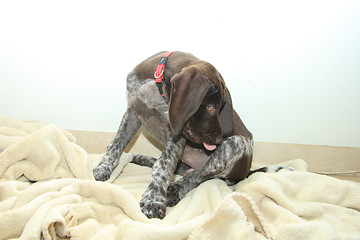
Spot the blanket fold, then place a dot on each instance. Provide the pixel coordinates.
(47, 191)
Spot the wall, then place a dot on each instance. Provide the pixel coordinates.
(293, 68)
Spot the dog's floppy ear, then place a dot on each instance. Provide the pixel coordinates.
(226, 115)
(188, 89)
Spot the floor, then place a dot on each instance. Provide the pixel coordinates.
(325, 159)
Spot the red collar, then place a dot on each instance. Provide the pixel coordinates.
(159, 73)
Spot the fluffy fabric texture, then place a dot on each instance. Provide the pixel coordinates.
(47, 191)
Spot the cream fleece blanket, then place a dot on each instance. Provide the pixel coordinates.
(47, 191)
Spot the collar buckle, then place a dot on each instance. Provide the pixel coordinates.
(159, 73)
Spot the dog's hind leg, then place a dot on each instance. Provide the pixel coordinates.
(148, 161)
(129, 126)
(142, 160)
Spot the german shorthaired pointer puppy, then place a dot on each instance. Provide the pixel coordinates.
(194, 120)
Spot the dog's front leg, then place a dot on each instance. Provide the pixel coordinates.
(233, 152)
(129, 126)
(154, 200)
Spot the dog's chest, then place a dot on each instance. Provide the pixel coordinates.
(151, 108)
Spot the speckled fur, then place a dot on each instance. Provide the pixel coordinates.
(230, 161)
(218, 166)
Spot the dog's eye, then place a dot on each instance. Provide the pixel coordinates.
(210, 107)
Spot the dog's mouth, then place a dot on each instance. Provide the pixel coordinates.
(190, 136)
(209, 147)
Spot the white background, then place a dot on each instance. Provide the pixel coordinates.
(293, 67)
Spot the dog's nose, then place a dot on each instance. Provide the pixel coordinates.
(213, 138)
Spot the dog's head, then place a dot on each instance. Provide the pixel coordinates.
(200, 105)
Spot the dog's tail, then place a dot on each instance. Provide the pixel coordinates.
(274, 168)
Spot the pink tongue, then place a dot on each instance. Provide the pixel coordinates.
(209, 147)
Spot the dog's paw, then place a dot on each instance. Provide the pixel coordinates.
(153, 204)
(102, 172)
(173, 194)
